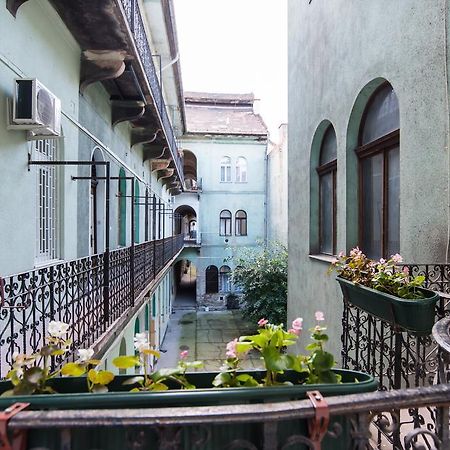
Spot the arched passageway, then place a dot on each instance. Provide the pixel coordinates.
(186, 284)
(186, 222)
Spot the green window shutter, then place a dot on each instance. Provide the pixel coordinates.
(136, 212)
(122, 208)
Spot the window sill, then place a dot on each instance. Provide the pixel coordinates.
(323, 258)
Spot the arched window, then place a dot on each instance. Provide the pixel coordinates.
(225, 169)
(225, 279)
(379, 184)
(136, 211)
(241, 170)
(212, 280)
(225, 223)
(240, 226)
(327, 192)
(122, 208)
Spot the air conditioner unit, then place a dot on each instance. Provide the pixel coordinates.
(35, 108)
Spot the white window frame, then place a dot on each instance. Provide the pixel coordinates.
(46, 201)
(241, 170)
(225, 169)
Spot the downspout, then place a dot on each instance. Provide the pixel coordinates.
(266, 191)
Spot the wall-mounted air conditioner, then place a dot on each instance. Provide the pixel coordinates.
(34, 108)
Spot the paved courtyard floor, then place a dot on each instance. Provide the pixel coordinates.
(205, 336)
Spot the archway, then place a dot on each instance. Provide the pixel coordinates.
(186, 222)
(190, 171)
(186, 284)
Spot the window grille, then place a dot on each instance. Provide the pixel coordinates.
(46, 201)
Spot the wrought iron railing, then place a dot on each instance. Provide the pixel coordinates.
(171, 428)
(136, 24)
(74, 292)
(398, 359)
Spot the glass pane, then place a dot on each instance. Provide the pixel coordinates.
(393, 231)
(328, 151)
(382, 115)
(372, 213)
(326, 213)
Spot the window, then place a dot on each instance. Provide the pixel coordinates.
(46, 201)
(225, 279)
(240, 227)
(225, 223)
(136, 211)
(122, 208)
(327, 192)
(379, 168)
(225, 169)
(212, 280)
(241, 170)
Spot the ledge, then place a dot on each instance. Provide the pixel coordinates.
(323, 258)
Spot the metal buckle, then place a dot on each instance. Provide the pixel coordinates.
(19, 436)
(318, 426)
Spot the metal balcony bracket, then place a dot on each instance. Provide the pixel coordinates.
(175, 191)
(318, 426)
(164, 173)
(99, 65)
(18, 437)
(126, 110)
(145, 135)
(13, 5)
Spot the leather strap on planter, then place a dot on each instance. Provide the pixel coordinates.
(318, 426)
(18, 437)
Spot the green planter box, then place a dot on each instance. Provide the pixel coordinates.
(416, 315)
(113, 437)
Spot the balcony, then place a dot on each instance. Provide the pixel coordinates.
(116, 51)
(92, 294)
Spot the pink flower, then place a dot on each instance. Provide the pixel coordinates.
(319, 316)
(297, 324)
(292, 331)
(382, 261)
(406, 270)
(341, 255)
(262, 322)
(184, 354)
(355, 252)
(397, 258)
(231, 349)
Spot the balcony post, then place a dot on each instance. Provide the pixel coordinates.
(106, 315)
(132, 271)
(154, 234)
(146, 215)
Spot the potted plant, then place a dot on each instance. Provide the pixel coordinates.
(386, 290)
(287, 377)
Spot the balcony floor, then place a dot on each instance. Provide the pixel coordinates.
(205, 335)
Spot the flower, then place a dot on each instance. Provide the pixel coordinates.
(85, 354)
(382, 261)
(293, 331)
(319, 316)
(57, 329)
(297, 324)
(231, 348)
(397, 258)
(262, 322)
(184, 354)
(405, 270)
(141, 342)
(356, 252)
(341, 254)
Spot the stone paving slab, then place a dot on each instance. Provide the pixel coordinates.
(205, 336)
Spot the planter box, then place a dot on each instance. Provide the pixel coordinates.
(416, 315)
(113, 437)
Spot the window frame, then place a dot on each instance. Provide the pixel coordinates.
(226, 219)
(225, 279)
(226, 166)
(382, 145)
(240, 220)
(239, 172)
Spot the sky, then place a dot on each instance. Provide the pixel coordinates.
(236, 46)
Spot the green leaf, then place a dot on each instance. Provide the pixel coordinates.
(322, 361)
(34, 375)
(195, 364)
(222, 379)
(104, 377)
(73, 369)
(58, 352)
(158, 387)
(151, 352)
(92, 375)
(126, 362)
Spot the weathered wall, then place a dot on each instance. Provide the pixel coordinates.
(336, 49)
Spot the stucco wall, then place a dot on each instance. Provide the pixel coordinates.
(336, 49)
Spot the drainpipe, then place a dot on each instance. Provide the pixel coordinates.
(266, 192)
(447, 83)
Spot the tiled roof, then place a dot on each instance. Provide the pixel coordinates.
(225, 114)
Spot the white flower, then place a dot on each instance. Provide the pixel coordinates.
(141, 342)
(85, 354)
(57, 329)
(397, 258)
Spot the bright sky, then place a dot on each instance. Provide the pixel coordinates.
(236, 46)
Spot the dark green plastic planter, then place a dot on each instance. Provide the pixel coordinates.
(72, 395)
(416, 315)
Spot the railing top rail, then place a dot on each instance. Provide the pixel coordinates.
(438, 395)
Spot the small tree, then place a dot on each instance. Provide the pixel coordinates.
(262, 275)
